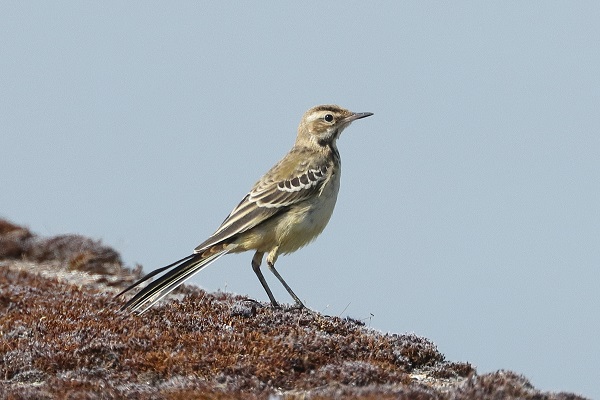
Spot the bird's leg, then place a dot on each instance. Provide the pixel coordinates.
(271, 258)
(256, 261)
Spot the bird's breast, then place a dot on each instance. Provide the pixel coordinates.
(305, 221)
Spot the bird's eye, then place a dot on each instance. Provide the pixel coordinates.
(328, 118)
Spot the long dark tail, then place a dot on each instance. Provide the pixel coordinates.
(182, 270)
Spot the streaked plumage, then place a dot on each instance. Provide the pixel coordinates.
(285, 210)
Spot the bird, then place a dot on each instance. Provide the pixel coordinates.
(285, 210)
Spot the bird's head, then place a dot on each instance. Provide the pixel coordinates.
(322, 125)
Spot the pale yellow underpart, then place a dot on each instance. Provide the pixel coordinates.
(295, 228)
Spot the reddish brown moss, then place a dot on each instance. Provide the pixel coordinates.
(62, 340)
(14, 240)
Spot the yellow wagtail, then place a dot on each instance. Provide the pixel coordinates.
(285, 210)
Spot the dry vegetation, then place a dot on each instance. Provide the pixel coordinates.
(62, 335)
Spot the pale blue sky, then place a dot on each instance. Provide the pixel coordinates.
(469, 208)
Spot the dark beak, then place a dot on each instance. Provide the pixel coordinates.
(356, 116)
